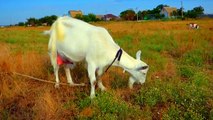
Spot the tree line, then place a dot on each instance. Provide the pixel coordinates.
(129, 14)
(47, 21)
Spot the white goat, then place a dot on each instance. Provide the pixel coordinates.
(193, 26)
(73, 40)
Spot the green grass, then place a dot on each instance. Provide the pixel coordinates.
(28, 40)
(107, 106)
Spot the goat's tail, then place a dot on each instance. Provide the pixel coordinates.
(52, 50)
(56, 34)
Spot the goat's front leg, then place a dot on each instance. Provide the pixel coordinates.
(100, 84)
(91, 73)
(131, 82)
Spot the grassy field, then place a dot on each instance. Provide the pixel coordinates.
(179, 83)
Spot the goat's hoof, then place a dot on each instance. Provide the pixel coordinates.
(57, 85)
(81, 84)
(71, 84)
(92, 96)
(130, 87)
(103, 89)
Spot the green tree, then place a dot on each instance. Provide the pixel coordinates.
(87, 18)
(140, 17)
(195, 12)
(79, 16)
(92, 17)
(199, 10)
(128, 15)
(154, 13)
(175, 13)
(21, 24)
(144, 14)
(32, 21)
(47, 19)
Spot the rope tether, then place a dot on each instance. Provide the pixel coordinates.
(42, 80)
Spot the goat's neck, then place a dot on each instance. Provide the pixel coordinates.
(126, 62)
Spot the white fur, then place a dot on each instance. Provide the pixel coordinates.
(193, 26)
(78, 41)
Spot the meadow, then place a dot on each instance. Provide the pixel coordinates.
(179, 83)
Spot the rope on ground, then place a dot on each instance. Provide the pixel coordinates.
(42, 80)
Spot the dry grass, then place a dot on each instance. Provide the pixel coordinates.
(23, 50)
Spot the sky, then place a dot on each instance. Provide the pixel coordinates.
(14, 11)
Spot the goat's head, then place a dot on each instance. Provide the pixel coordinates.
(139, 72)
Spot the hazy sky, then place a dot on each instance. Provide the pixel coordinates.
(14, 11)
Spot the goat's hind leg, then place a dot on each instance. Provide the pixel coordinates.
(69, 78)
(56, 68)
(67, 68)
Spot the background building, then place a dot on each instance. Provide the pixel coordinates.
(75, 13)
(168, 12)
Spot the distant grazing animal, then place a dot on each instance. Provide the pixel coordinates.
(72, 40)
(193, 26)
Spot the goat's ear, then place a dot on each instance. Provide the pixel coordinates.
(138, 55)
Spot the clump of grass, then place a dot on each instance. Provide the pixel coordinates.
(194, 57)
(108, 106)
(156, 59)
(119, 82)
(11, 41)
(125, 42)
(186, 71)
(173, 113)
(183, 100)
(83, 103)
(191, 103)
(46, 106)
(199, 79)
(153, 95)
